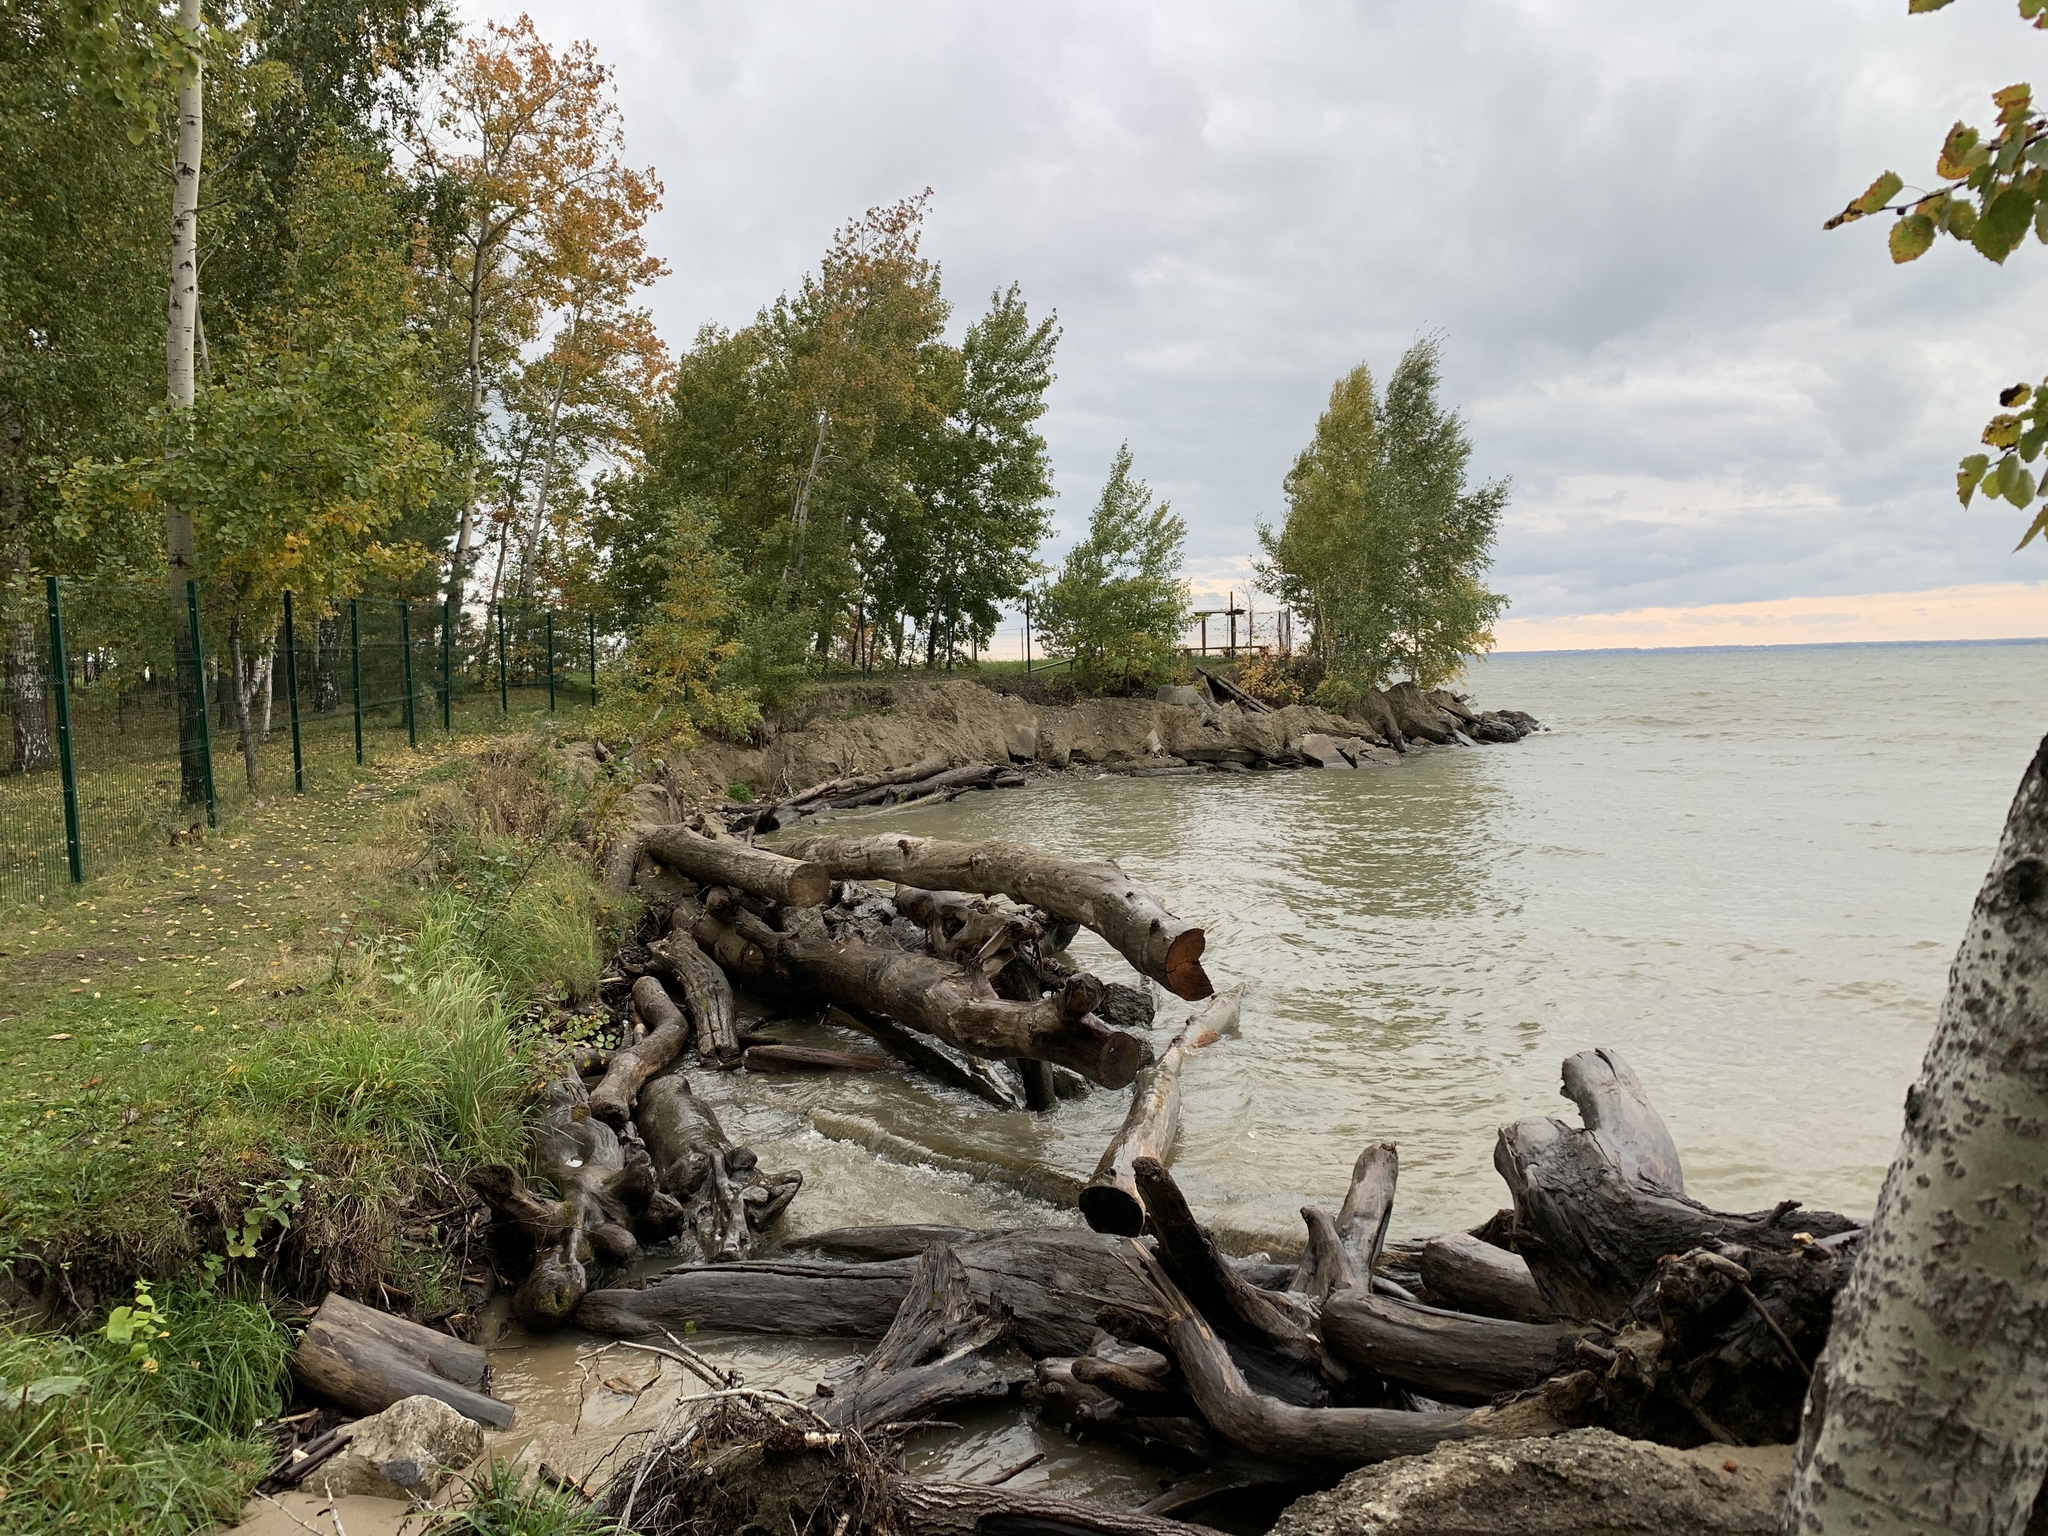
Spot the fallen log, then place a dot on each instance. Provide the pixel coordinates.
(1450, 1356)
(972, 776)
(970, 931)
(1095, 893)
(1470, 1275)
(1230, 690)
(631, 1066)
(970, 1074)
(714, 1012)
(364, 1360)
(726, 1198)
(1051, 1281)
(904, 1240)
(792, 882)
(1333, 1438)
(609, 1203)
(1342, 1253)
(1110, 1202)
(926, 993)
(1616, 1109)
(861, 783)
(806, 1058)
(934, 1356)
(973, 1509)
(1591, 1234)
(1178, 1440)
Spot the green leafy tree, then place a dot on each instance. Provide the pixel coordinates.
(1120, 602)
(1385, 548)
(1987, 193)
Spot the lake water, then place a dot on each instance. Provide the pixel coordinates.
(1746, 870)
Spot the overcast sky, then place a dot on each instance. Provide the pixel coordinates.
(1611, 211)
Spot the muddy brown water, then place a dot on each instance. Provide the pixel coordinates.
(1746, 870)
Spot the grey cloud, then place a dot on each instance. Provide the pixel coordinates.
(1612, 212)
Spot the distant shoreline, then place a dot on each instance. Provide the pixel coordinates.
(1787, 645)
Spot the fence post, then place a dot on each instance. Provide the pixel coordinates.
(199, 690)
(504, 707)
(551, 661)
(447, 658)
(412, 735)
(291, 693)
(355, 676)
(591, 619)
(67, 767)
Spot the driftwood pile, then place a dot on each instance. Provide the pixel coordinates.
(1603, 1295)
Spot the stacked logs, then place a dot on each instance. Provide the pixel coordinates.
(944, 979)
(1603, 1296)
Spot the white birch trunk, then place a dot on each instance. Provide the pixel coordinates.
(1929, 1407)
(180, 333)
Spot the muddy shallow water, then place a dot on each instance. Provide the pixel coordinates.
(1746, 870)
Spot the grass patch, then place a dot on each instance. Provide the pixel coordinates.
(267, 1062)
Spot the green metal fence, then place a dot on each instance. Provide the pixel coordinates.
(172, 710)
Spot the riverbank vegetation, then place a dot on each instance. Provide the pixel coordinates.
(250, 1073)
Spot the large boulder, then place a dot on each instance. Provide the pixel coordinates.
(1589, 1482)
(1323, 751)
(1415, 716)
(412, 1450)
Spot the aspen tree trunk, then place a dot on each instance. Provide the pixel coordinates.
(244, 684)
(1929, 1408)
(458, 570)
(179, 338)
(547, 468)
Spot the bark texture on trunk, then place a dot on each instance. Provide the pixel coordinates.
(1110, 1201)
(756, 871)
(365, 1360)
(714, 1011)
(1929, 1407)
(631, 1066)
(1092, 892)
(28, 690)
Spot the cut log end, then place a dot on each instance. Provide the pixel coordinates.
(1184, 973)
(810, 885)
(1106, 1208)
(1122, 1055)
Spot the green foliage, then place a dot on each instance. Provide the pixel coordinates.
(1988, 194)
(860, 467)
(93, 1441)
(504, 1502)
(1119, 603)
(1385, 548)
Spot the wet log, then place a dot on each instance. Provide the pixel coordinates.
(974, 1509)
(956, 1005)
(631, 1066)
(726, 1198)
(905, 1240)
(791, 882)
(1095, 893)
(1142, 1379)
(934, 1356)
(1179, 1440)
(1343, 1251)
(824, 796)
(1110, 1202)
(1470, 1275)
(1329, 1438)
(1591, 1234)
(714, 1012)
(1615, 1107)
(1451, 1356)
(969, 930)
(1261, 1319)
(1052, 1282)
(972, 776)
(780, 1058)
(970, 1074)
(608, 1203)
(364, 1360)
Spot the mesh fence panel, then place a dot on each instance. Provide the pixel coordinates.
(183, 709)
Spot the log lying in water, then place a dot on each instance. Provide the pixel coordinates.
(1473, 1276)
(631, 1066)
(840, 791)
(973, 1509)
(1277, 1431)
(365, 1360)
(1592, 1234)
(714, 1011)
(1450, 1356)
(941, 999)
(713, 861)
(779, 1058)
(934, 1356)
(1094, 893)
(1110, 1201)
(971, 1074)
(610, 1203)
(1053, 1282)
(727, 1199)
